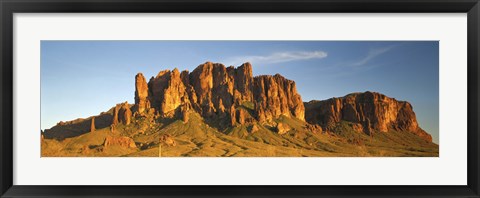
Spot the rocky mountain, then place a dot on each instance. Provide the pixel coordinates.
(226, 111)
(219, 92)
(369, 112)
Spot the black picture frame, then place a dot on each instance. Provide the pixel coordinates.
(10, 7)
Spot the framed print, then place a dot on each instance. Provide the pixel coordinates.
(256, 99)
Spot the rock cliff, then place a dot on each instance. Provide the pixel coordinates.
(167, 92)
(122, 114)
(214, 90)
(275, 96)
(141, 93)
(369, 111)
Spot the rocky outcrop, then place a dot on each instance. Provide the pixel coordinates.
(126, 114)
(216, 91)
(241, 116)
(254, 128)
(214, 88)
(276, 96)
(124, 142)
(141, 93)
(315, 128)
(233, 118)
(122, 114)
(92, 125)
(370, 111)
(282, 128)
(168, 140)
(112, 128)
(116, 111)
(243, 76)
(184, 113)
(167, 92)
(85, 150)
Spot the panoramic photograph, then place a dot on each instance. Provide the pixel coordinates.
(239, 98)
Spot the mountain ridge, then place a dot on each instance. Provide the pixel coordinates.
(233, 102)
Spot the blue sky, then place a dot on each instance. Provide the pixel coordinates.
(84, 78)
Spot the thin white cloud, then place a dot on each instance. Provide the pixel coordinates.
(373, 53)
(279, 57)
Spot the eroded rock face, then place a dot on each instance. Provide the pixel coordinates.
(92, 125)
(116, 111)
(373, 111)
(241, 116)
(254, 128)
(213, 86)
(315, 128)
(202, 81)
(141, 93)
(214, 90)
(85, 150)
(282, 128)
(126, 113)
(275, 96)
(184, 113)
(124, 142)
(167, 92)
(243, 82)
(122, 113)
(168, 140)
(233, 118)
